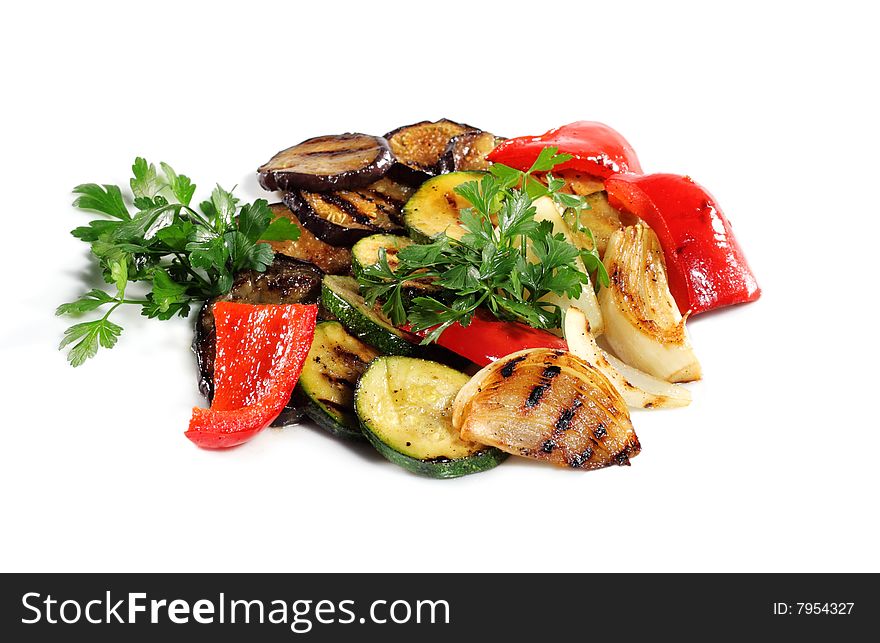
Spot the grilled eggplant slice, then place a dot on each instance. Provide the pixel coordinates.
(285, 281)
(419, 148)
(335, 362)
(333, 260)
(336, 162)
(642, 322)
(547, 405)
(341, 218)
(405, 408)
(467, 152)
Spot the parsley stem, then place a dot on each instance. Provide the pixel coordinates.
(186, 266)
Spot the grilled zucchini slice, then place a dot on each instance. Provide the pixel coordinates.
(334, 364)
(341, 296)
(405, 408)
(436, 208)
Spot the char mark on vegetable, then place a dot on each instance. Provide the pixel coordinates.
(563, 423)
(507, 369)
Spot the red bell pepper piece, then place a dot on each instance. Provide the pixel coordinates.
(487, 339)
(705, 264)
(596, 149)
(260, 354)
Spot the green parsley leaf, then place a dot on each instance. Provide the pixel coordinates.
(184, 254)
(181, 187)
(88, 337)
(101, 198)
(281, 229)
(146, 181)
(92, 300)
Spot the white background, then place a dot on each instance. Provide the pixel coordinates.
(772, 106)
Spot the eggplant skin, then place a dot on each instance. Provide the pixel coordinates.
(419, 148)
(332, 162)
(344, 217)
(467, 152)
(547, 405)
(285, 281)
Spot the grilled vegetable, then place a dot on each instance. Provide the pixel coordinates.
(341, 162)
(405, 408)
(341, 218)
(285, 281)
(602, 220)
(419, 148)
(545, 210)
(333, 366)
(548, 405)
(638, 389)
(435, 207)
(366, 253)
(467, 151)
(333, 260)
(393, 194)
(642, 323)
(341, 296)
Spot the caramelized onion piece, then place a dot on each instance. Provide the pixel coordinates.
(642, 323)
(638, 389)
(547, 405)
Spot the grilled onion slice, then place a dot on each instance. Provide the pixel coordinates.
(642, 323)
(548, 405)
(340, 162)
(638, 389)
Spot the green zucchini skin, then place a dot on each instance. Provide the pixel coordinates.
(440, 469)
(340, 296)
(383, 436)
(333, 366)
(435, 208)
(366, 251)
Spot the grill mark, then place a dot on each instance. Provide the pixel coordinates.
(550, 372)
(347, 207)
(339, 408)
(508, 368)
(580, 459)
(538, 392)
(548, 446)
(600, 431)
(450, 200)
(536, 395)
(563, 423)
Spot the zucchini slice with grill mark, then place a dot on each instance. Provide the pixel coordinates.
(333, 260)
(341, 218)
(336, 162)
(419, 148)
(436, 208)
(335, 362)
(341, 296)
(468, 151)
(405, 408)
(366, 253)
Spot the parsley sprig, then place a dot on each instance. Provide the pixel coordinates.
(181, 253)
(506, 261)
